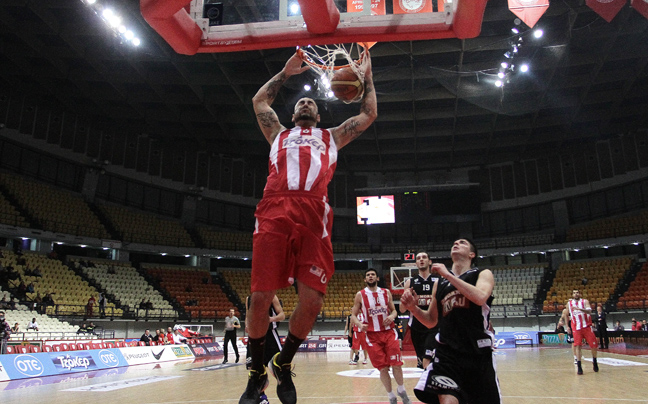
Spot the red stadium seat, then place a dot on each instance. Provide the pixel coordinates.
(34, 349)
(142, 343)
(47, 348)
(65, 347)
(111, 345)
(57, 348)
(72, 347)
(10, 350)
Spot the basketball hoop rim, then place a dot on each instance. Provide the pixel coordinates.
(302, 54)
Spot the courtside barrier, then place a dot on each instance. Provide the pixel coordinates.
(32, 365)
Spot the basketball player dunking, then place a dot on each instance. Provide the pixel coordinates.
(292, 236)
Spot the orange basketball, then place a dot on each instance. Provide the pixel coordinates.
(346, 85)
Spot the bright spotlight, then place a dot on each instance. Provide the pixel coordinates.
(330, 94)
(515, 30)
(504, 65)
(326, 82)
(524, 68)
(500, 75)
(91, 1)
(307, 87)
(136, 41)
(538, 33)
(107, 13)
(498, 83)
(129, 35)
(294, 8)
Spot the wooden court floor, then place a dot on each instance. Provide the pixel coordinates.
(527, 376)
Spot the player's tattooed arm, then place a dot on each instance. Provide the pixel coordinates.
(274, 85)
(350, 130)
(267, 119)
(355, 126)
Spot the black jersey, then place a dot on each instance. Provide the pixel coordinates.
(423, 288)
(463, 325)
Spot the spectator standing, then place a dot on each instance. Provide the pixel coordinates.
(601, 326)
(5, 333)
(90, 306)
(102, 305)
(644, 326)
(169, 335)
(231, 324)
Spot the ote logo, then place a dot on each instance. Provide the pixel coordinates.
(28, 365)
(108, 358)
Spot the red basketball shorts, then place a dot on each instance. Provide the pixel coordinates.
(359, 340)
(292, 241)
(384, 349)
(586, 333)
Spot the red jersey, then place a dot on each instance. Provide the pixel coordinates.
(375, 308)
(361, 318)
(301, 159)
(579, 319)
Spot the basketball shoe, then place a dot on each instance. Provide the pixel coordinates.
(353, 363)
(257, 383)
(595, 365)
(579, 368)
(404, 397)
(285, 386)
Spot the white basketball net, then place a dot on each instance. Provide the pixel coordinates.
(327, 59)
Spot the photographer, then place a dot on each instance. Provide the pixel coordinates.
(5, 333)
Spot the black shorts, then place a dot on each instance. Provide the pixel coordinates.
(470, 378)
(424, 342)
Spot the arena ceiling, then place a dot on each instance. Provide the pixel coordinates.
(438, 105)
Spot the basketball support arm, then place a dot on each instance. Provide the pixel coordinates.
(171, 20)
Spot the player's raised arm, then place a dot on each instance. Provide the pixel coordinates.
(401, 307)
(266, 116)
(354, 126)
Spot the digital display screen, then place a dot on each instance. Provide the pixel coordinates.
(375, 209)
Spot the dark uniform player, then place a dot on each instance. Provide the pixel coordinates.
(423, 338)
(463, 368)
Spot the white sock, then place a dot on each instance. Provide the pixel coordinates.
(401, 389)
(391, 395)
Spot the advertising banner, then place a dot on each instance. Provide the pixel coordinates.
(150, 354)
(517, 338)
(337, 345)
(3, 375)
(206, 350)
(313, 345)
(21, 366)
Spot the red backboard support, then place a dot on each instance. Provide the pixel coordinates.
(188, 33)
